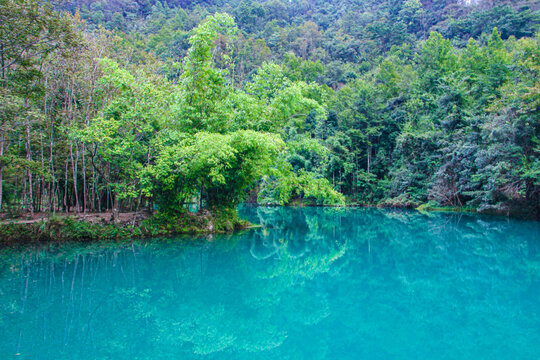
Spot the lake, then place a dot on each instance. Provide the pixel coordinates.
(311, 283)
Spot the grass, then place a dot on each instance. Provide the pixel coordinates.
(431, 206)
(64, 228)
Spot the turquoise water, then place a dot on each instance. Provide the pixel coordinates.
(311, 283)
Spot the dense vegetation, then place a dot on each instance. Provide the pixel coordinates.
(124, 105)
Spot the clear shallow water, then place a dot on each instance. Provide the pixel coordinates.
(311, 284)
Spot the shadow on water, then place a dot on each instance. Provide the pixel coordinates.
(311, 283)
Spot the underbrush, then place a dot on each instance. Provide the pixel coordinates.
(63, 228)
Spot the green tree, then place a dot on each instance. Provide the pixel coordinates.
(204, 87)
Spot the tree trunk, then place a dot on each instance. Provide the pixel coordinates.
(66, 206)
(369, 159)
(74, 173)
(115, 209)
(29, 158)
(42, 178)
(84, 180)
(1, 166)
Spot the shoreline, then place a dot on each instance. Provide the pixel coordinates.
(513, 213)
(94, 227)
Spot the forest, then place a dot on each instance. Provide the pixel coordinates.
(121, 105)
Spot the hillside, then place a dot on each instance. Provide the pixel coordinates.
(124, 105)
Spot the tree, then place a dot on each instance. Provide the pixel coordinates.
(219, 167)
(29, 31)
(203, 86)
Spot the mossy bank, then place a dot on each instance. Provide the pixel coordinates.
(72, 228)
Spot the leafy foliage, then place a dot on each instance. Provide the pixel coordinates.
(167, 105)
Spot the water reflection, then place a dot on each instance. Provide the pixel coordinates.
(311, 283)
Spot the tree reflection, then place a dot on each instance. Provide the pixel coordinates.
(311, 283)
